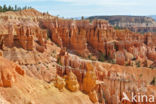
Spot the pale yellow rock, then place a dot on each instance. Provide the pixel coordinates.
(93, 96)
(71, 82)
(89, 81)
(59, 83)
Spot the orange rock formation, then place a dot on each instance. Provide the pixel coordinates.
(110, 80)
(26, 90)
(29, 39)
(82, 38)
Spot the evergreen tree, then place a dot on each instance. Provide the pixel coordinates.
(24, 7)
(19, 8)
(12, 8)
(82, 18)
(15, 8)
(29, 7)
(1, 9)
(9, 8)
(5, 8)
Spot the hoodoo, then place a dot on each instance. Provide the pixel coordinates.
(45, 59)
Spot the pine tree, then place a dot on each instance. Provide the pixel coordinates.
(24, 7)
(5, 8)
(9, 8)
(19, 8)
(1, 9)
(29, 7)
(82, 18)
(12, 8)
(15, 8)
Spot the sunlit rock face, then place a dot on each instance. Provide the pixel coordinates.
(59, 83)
(99, 38)
(139, 24)
(23, 41)
(23, 37)
(71, 82)
(8, 73)
(17, 87)
(31, 30)
(104, 82)
(66, 52)
(89, 81)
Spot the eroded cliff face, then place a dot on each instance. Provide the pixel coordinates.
(29, 39)
(104, 82)
(98, 40)
(140, 24)
(18, 88)
(23, 41)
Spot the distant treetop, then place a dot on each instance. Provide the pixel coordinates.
(5, 8)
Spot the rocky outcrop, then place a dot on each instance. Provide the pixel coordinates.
(71, 82)
(27, 42)
(89, 81)
(99, 39)
(140, 24)
(23, 36)
(36, 64)
(24, 41)
(93, 96)
(8, 73)
(1, 54)
(59, 83)
(27, 90)
(22, 29)
(19, 70)
(109, 81)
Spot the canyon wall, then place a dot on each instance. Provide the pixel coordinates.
(141, 24)
(99, 39)
(67, 53)
(96, 40)
(107, 81)
(16, 87)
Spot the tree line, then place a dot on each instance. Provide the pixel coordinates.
(6, 8)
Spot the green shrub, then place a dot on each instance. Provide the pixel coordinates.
(59, 61)
(138, 64)
(102, 57)
(6, 8)
(89, 57)
(117, 28)
(113, 61)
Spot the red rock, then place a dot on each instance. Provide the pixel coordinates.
(40, 49)
(110, 81)
(1, 54)
(19, 70)
(8, 73)
(83, 38)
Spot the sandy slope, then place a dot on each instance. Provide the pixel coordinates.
(27, 90)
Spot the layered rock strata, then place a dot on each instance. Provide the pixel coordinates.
(109, 81)
(99, 39)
